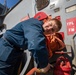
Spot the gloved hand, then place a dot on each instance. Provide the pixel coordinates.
(44, 70)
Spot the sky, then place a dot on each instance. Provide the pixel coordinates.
(10, 3)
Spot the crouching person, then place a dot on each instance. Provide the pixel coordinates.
(28, 34)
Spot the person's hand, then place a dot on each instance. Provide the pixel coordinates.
(44, 70)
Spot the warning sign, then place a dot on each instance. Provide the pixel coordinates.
(71, 26)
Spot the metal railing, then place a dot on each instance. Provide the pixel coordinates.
(74, 56)
(73, 44)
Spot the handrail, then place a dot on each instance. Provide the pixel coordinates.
(74, 36)
(27, 64)
(74, 51)
(73, 41)
(73, 48)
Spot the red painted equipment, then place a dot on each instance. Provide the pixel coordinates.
(62, 66)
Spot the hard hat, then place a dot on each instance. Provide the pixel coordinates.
(40, 15)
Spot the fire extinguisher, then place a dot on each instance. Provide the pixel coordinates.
(62, 66)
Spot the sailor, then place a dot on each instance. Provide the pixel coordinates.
(28, 34)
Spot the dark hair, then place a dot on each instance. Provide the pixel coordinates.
(58, 22)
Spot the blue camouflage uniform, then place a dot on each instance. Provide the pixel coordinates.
(26, 35)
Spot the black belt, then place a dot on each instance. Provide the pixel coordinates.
(16, 47)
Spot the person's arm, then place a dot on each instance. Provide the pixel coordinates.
(36, 43)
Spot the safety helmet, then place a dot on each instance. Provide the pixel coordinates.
(40, 15)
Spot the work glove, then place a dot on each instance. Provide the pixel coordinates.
(44, 70)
